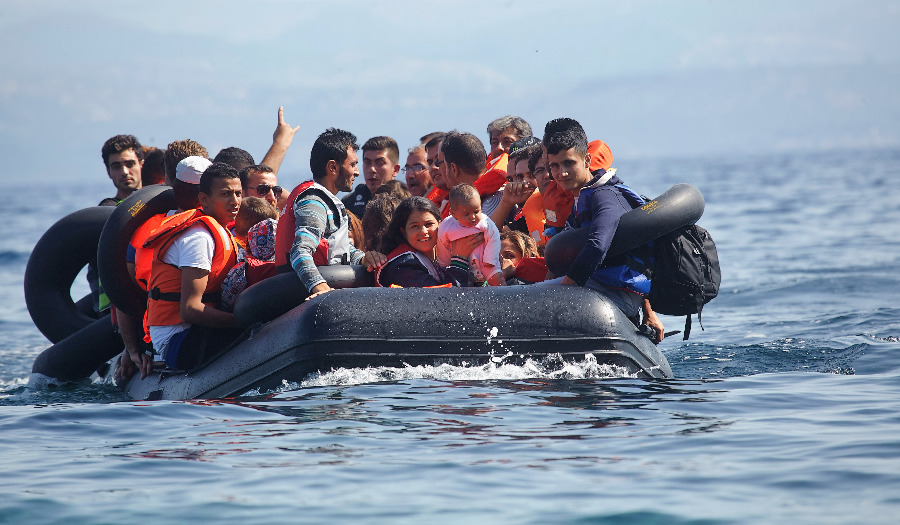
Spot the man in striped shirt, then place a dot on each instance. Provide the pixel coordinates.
(313, 230)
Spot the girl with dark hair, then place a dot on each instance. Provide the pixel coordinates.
(409, 243)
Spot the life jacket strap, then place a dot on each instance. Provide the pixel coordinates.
(175, 297)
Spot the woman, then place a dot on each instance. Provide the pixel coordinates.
(409, 243)
(521, 263)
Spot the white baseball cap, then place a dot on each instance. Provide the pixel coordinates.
(190, 169)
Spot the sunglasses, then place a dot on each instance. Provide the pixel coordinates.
(263, 189)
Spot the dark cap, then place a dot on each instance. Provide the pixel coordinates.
(523, 143)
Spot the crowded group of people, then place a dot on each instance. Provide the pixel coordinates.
(454, 214)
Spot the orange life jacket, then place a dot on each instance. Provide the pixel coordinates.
(164, 297)
(532, 269)
(533, 211)
(494, 176)
(601, 155)
(143, 257)
(557, 205)
(437, 196)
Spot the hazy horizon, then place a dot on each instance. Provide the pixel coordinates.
(653, 79)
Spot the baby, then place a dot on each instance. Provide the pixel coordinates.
(464, 220)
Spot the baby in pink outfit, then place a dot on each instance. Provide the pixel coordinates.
(464, 220)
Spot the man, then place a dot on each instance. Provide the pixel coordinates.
(520, 188)
(504, 131)
(381, 163)
(465, 157)
(123, 157)
(418, 179)
(154, 169)
(601, 201)
(178, 151)
(465, 161)
(192, 254)
(235, 157)
(314, 228)
(139, 260)
(259, 180)
(439, 189)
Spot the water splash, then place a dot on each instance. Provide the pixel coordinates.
(550, 367)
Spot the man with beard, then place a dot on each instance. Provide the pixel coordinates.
(313, 230)
(123, 156)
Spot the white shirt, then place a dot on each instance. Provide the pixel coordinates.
(194, 248)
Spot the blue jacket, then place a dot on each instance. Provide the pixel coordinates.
(600, 204)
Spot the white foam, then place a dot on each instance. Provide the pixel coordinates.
(550, 367)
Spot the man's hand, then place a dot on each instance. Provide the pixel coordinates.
(374, 260)
(318, 290)
(517, 192)
(281, 141)
(284, 133)
(651, 320)
(130, 362)
(464, 246)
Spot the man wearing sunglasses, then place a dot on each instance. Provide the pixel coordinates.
(259, 180)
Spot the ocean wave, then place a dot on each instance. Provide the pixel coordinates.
(10, 257)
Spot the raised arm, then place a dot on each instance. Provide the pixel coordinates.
(281, 141)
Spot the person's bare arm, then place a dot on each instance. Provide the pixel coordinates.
(318, 290)
(651, 320)
(131, 331)
(281, 141)
(193, 311)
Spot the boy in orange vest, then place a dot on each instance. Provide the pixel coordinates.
(192, 254)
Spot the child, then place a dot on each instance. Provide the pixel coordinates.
(252, 211)
(375, 220)
(464, 220)
(258, 264)
(519, 252)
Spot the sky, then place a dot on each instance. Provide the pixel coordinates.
(654, 79)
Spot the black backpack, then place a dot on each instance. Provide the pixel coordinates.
(685, 273)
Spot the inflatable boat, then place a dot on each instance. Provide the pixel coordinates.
(356, 325)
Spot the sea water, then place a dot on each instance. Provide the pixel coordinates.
(786, 406)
